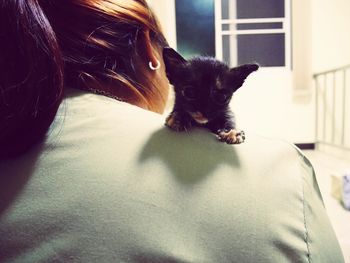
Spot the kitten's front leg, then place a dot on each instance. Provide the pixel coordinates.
(224, 128)
(178, 121)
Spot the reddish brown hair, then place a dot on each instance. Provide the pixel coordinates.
(104, 45)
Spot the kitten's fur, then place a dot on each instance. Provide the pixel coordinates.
(203, 90)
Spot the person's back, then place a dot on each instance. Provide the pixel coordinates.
(111, 184)
(104, 181)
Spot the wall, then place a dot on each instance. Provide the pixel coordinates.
(165, 12)
(330, 35)
(265, 105)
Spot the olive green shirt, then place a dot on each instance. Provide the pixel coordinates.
(110, 183)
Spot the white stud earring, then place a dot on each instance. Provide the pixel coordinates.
(150, 64)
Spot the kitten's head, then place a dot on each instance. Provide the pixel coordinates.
(203, 85)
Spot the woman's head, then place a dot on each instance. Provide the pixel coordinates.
(99, 45)
(107, 45)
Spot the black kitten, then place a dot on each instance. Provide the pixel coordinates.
(203, 90)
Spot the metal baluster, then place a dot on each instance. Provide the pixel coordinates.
(333, 107)
(324, 107)
(316, 110)
(344, 108)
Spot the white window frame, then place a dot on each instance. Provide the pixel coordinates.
(219, 33)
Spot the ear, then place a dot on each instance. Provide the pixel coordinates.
(173, 63)
(237, 75)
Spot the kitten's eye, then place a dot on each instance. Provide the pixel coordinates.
(220, 98)
(189, 93)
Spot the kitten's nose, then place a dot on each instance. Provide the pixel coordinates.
(199, 117)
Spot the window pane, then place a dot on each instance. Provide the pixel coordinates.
(226, 49)
(225, 7)
(225, 27)
(260, 8)
(266, 49)
(195, 27)
(259, 26)
(247, 26)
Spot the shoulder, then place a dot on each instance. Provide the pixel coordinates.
(107, 126)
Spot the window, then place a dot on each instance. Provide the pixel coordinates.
(253, 31)
(195, 27)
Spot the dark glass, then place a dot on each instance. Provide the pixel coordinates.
(266, 49)
(195, 27)
(259, 26)
(226, 50)
(260, 8)
(247, 26)
(225, 27)
(225, 9)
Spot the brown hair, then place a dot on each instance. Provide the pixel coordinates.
(104, 45)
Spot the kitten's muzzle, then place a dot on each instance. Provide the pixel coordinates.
(199, 117)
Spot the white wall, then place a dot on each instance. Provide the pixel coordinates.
(280, 103)
(330, 35)
(266, 105)
(165, 12)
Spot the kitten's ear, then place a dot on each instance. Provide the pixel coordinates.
(238, 74)
(173, 62)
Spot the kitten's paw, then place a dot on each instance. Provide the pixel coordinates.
(232, 136)
(176, 123)
(240, 137)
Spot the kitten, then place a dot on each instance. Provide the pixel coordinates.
(203, 90)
